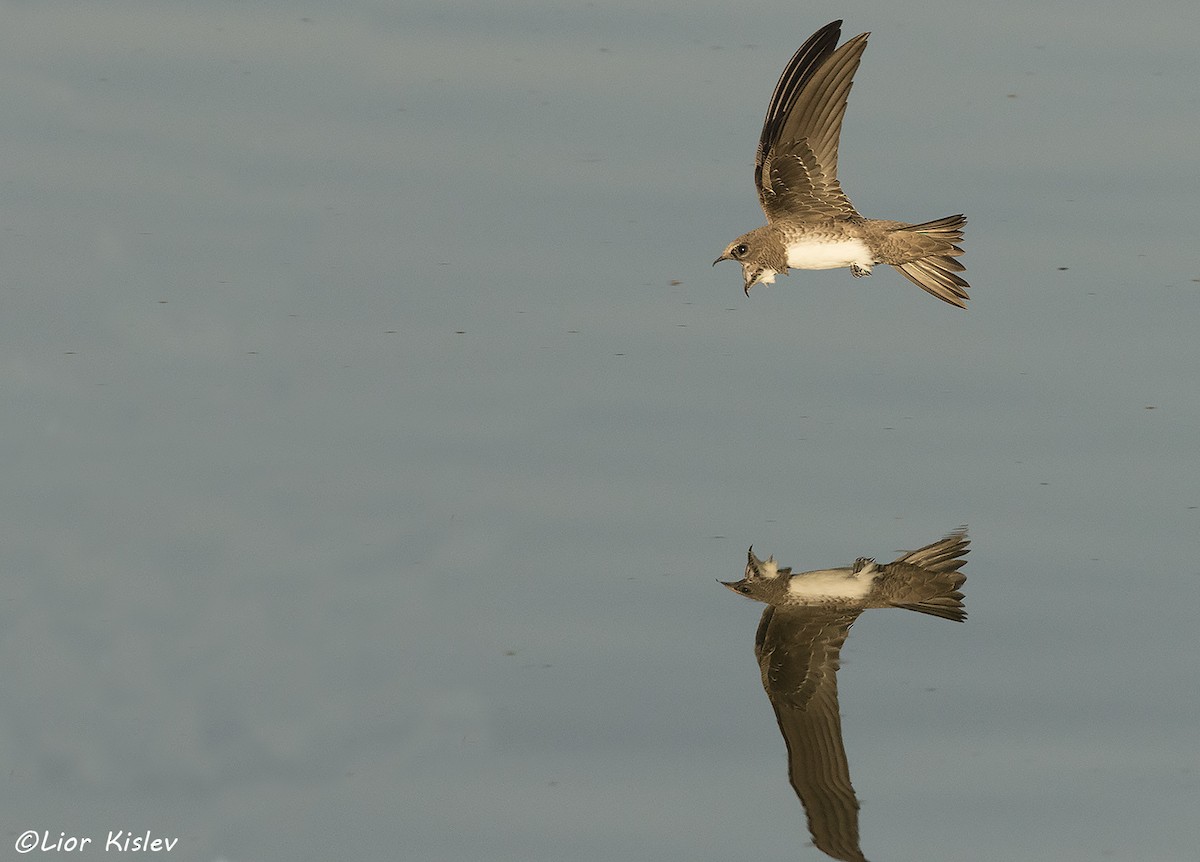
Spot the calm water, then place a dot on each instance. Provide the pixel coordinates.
(376, 430)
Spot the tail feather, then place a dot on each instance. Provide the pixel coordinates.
(935, 273)
(948, 607)
(948, 228)
(940, 563)
(944, 555)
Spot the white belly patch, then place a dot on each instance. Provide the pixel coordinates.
(830, 585)
(812, 254)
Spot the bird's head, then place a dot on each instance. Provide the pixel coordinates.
(761, 254)
(764, 580)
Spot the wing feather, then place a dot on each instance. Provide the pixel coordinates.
(798, 652)
(795, 169)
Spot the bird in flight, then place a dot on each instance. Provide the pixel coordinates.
(798, 646)
(811, 224)
(925, 580)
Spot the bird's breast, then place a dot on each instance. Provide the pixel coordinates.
(830, 252)
(832, 585)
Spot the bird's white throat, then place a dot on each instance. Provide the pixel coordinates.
(769, 570)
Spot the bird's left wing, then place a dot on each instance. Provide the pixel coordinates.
(795, 169)
(797, 652)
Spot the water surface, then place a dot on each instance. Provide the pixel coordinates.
(376, 429)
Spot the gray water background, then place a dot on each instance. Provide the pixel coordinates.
(375, 429)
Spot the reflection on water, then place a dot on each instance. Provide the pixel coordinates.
(799, 639)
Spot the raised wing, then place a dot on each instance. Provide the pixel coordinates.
(798, 652)
(795, 169)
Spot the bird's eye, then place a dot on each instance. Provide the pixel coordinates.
(744, 589)
(740, 250)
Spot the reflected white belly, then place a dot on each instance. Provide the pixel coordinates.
(830, 585)
(813, 254)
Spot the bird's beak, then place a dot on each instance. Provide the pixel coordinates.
(729, 584)
(721, 258)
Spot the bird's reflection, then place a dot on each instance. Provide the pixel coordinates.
(799, 639)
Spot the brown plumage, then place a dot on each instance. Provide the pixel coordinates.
(927, 580)
(811, 223)
(798, 646)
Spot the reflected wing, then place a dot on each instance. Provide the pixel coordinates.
(798, 653)
(795, 169)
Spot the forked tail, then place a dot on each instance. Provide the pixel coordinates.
(935, 272)
(940, 576)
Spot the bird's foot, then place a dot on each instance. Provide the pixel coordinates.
(863, 564)
(859, 271)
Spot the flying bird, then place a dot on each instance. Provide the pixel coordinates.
(811, 224)
(798, 646)
(925, 580)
